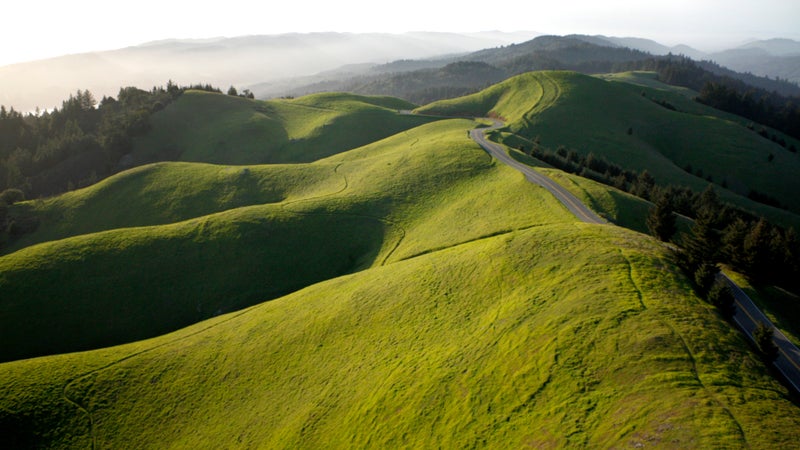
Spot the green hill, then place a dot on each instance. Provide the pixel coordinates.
(422, 295)
(210, 127)
(589, 114)
(559, 335)
(240, 235)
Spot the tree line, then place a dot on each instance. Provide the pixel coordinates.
(763, 104)
(764, 252)
(49, 152)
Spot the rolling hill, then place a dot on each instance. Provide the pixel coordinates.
(627, 123)
(208, 127)
(421, 295)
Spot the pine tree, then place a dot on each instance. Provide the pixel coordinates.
(757, 250)
(721, 296)
(703, 244)
(661, 220)
(766, 345)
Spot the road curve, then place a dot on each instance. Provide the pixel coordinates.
(747, 315)
(575, 206)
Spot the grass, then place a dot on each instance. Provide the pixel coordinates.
(242, 235)
(512, 100)
(593, 115)
(437, 300)
(164, 193)
(561, 335)
(215, 128)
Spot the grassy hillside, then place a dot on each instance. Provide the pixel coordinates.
(592, 115)
(560, 335)
(216, 128)
(242, 235)
(422, 296)
(163, 193)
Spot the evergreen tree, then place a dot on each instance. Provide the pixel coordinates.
(702, 245)
(721, 296)
(758, 253)
(733, 242)
(661, 220)
(704, 277)
(766, 345)
(643, 186)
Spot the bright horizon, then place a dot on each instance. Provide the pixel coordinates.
(51, 28)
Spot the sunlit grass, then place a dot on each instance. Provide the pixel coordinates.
(589, 114)
(434, 298)
(215, 128)
(563, 335)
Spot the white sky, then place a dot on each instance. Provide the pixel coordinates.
(35, 29)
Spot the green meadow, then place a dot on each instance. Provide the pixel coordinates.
(591, 114)
(393, 290)
(209, 127)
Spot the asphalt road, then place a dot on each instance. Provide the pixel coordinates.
(565, 197)
(747, 314)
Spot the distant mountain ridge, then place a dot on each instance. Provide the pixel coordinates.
(422, 81)
(277, 65)
(224, 61)
(774, 58)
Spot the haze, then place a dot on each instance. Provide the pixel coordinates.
(52, 27)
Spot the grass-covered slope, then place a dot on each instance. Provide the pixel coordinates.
(559, 335)
(215, 128)
(162, 193)
(242, 235)
(593, 115)
(438, 300)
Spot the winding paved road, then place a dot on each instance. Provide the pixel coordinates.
(575, 206)
(747, 314)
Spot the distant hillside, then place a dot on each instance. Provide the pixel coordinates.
(84, 142)
(215, 128)
(773, 58)
(417, 80)
(419, 86)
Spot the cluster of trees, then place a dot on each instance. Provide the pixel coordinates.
(766, 253)
(722, 91)
(721, 233)
(12, 226)
(770, 109)
(50, 152)
(245, 93)
(596, 168)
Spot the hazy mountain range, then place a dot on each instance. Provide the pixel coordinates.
(425, 80)
(236, 61)
(770, 58)
(274, 65)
